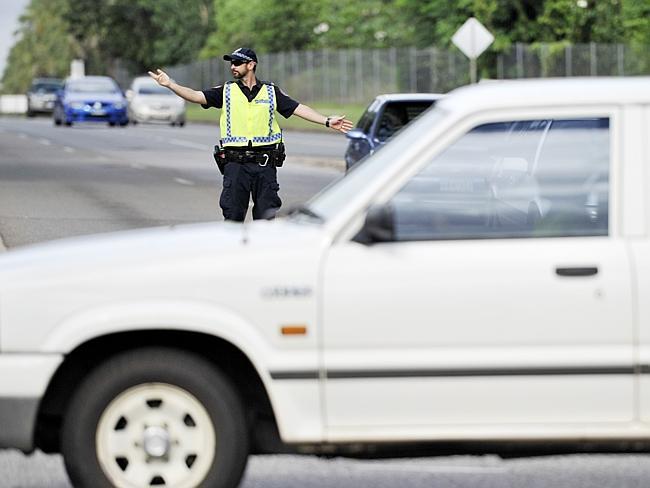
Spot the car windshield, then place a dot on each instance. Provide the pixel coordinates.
(45, 87)
(397, 115)
(335, 197)
(154, 89)
(92, 86)
(365, 122)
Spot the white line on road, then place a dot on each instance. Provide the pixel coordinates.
(184, 182)
(138, 166)
(45, 142)
(22, 136)
(193, 145)
(441, 469)
(69, 149)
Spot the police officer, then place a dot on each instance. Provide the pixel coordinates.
(251, 139)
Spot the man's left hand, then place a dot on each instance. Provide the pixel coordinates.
(340, 123)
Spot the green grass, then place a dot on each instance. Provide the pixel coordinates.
(196, 113)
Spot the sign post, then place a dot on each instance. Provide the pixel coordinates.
(472, 38)
(77, 68)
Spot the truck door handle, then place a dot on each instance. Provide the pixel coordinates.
(577, 271)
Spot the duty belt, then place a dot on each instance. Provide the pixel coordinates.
(258, 157)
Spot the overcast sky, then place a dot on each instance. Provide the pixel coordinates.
(10, 10)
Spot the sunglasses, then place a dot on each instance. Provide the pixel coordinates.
(237, 62)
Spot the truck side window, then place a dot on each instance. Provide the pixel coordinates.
(527, 178)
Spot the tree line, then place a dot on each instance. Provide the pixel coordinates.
(141, 34)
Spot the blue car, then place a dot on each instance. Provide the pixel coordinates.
(384, 117)
(91, 99)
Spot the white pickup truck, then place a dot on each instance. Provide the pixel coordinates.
(479, 278)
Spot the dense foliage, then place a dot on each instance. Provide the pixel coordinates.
(107, 34)
(139, 34)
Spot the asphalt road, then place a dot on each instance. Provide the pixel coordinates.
(60, 182)
(489, 471)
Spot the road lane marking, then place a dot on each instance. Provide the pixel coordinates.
(68, 149)
(184, 181)
(192, 145)
(44, 142)
(138, 166)
(22, 136)
(441, 469)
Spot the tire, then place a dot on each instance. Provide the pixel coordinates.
(128, 411)
(68, 123)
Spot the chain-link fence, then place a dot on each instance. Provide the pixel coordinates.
(544, 60)
(358, 75)
(345, 76)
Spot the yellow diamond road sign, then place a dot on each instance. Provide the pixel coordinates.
(472, 38)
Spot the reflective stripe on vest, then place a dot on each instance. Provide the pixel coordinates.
(243, 121)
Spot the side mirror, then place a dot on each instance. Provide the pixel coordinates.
(355, 134)
(379, 225)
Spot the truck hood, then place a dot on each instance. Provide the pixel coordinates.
(159, 246)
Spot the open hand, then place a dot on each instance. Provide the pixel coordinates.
(161, 77)
(340, 123)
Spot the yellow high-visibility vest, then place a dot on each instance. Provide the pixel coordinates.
(243, 121)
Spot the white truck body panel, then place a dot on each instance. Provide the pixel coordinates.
(405, 341)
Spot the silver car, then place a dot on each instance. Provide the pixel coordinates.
(150, 102)
(42, 95)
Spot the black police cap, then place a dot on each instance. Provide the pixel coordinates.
(242, 54)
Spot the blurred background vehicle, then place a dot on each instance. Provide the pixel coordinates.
(90, 99)
(42, 95)
(150, 102)
(385, 115)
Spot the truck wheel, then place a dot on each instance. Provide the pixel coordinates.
(155, 417)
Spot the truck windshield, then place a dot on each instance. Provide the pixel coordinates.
(336, 196)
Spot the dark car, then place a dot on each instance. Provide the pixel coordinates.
(42, 95)
(91, 99)
(384, 117)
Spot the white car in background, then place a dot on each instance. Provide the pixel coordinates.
(150, 102)
(483, 277)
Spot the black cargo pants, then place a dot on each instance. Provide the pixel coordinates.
(241, 181)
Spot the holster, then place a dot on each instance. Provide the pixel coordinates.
(280, 155)
(220, 157)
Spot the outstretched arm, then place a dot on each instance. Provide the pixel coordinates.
(182, 91)
(336, 122)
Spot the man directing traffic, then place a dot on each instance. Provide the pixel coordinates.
(251, 145)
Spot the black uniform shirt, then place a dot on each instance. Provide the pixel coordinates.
(285, 104)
